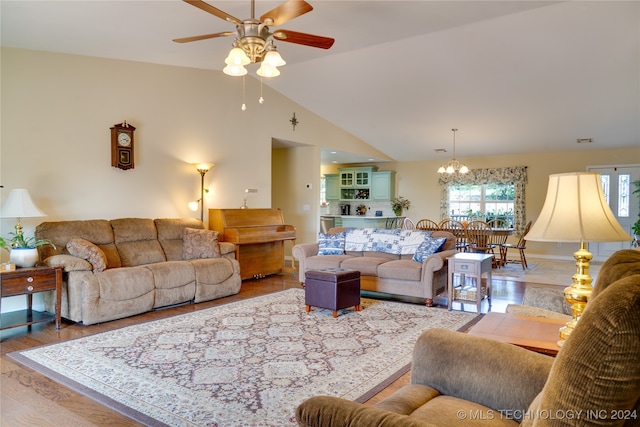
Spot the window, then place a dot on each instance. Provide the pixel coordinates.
(493, 191)
(482, 201)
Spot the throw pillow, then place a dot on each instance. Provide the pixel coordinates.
(198, 244)
(331, 244)
(86, 250)
(429, 247)
(410, 240)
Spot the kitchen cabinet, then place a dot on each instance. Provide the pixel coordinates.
(383, 186)
(332, 187)
(355, 183)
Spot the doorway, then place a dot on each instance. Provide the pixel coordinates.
(617, 184)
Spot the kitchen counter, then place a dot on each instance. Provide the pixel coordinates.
(357, 221)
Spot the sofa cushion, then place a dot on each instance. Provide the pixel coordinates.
(325, 261)
(401, 270)
(170, 232)
(331, 244)
(86, 250)
(97, 231)
(200, 244)
(137, 241)
(428, 247)
(367, 266)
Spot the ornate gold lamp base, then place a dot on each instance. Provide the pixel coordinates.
(579, 292)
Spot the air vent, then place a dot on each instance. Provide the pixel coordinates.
(584, 140)
(440, 150)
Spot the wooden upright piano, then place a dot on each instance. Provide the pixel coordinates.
(259, 235)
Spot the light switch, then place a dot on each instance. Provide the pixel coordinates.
(306, 207)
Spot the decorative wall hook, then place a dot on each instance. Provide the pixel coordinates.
(294, 121)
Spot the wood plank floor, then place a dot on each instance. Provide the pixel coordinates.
(30, 399)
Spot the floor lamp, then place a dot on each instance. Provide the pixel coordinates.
(576, 210)
(202, 168)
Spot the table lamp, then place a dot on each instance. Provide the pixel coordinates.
(576, 210)
(19, 205)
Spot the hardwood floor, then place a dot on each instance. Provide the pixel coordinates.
(30, 399)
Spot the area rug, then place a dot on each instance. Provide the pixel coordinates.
(246, 363)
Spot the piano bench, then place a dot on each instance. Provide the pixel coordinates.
(332, 288)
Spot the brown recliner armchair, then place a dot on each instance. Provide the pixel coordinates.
(458, 379)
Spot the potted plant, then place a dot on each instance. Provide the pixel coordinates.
(23, 250)
(398, 204)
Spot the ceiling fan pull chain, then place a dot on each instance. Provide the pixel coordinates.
(261, 100)
(244, 106)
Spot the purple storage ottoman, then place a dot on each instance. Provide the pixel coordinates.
(332, 288)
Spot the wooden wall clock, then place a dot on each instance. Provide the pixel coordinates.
(122, 146)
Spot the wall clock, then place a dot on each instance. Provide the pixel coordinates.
(122, 146)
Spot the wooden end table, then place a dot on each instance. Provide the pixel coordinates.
(27, 281)
(538, 334)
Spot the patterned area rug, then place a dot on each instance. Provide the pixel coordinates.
(247, 363)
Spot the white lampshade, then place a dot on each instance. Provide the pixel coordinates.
(273, 58)
(237, 57)
(20, 205)
(267, 70)
(576, 210)
(234, 70)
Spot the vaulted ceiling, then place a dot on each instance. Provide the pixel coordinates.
(513, 76)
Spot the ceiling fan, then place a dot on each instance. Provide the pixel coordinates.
(254, 37)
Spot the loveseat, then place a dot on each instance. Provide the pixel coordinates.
(459, 379)
(122, 267)
(399, 262)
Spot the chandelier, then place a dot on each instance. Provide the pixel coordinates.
(453, 166)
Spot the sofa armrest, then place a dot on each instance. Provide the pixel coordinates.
(227, 248)
(69, 262)
(322, 411)
(498, 375)
(300, 252)
(526, 310)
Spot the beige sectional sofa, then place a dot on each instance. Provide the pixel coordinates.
(385, 259)
(122, 267)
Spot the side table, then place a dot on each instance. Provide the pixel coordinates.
(27, 281)
(469, 266)
(538, 334)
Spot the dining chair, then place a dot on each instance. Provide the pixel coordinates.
(498, 223)
(520, 246)
(478, 236)
(407, 224)
(457, 229)
(395, 222)
(427, 224)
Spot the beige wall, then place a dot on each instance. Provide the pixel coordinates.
(57, 110)
(55, 141)
(418, 181)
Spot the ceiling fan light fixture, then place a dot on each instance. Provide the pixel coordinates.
(267, 70)
(273, 58)
(235, 70)
(237, 57)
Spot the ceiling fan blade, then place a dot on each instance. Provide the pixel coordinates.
(204, 37)
(303, 38)
(285, 12)
(214, 11)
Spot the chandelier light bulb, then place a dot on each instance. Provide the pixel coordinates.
(464, 169)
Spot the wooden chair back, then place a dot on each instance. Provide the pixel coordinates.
(427, 224)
